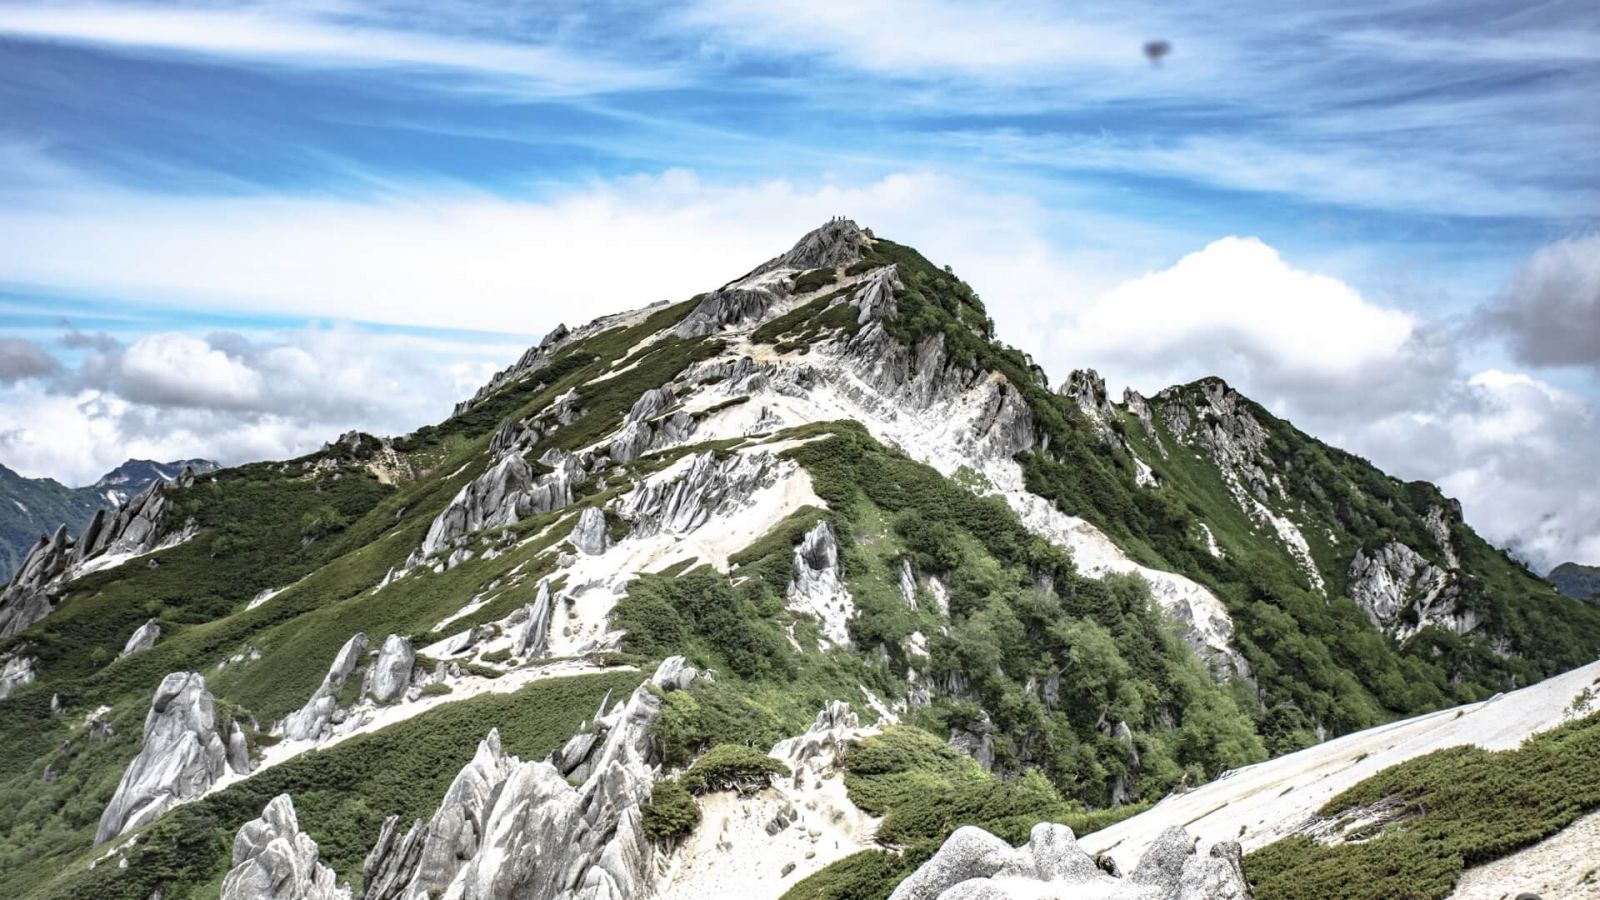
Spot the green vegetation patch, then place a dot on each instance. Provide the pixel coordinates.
(732, 767)
(672, 812)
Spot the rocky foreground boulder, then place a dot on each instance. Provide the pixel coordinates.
(182, 757)
(975, 865)
(514, 830)
(274, 860)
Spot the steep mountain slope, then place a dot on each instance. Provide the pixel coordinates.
(1574, 580)
(531, 650)
(30, 507)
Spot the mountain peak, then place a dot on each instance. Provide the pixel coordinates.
(838, 242)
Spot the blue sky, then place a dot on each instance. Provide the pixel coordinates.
(222, 200)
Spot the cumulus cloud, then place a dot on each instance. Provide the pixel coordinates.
(20, 359)
(1237, 309)
(1383, 382)
(234, 397)
(1550, 313)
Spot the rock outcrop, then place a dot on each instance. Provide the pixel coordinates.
(16, 670)
(274, 860)
(313, 721)
(509, 830)
(589, 535)
(975, 864)
(1403, 592)
(390, 674)
(687, 495)
(532, 361)
(727, 307)
(31, 595)
(137, 527)
(817, 588)
(840, 242)
(182, 756)
(534, 640)
(143, 638)
(503, 495)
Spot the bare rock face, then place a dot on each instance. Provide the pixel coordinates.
(727, 307)
(534, 641)
(390, 674)
(274, 860)
(514, 830)
(532, 361)
(875, 297)
(817, 587)
(182, 756)
(16, 670)
(1403, 592)
(31, 594)
(143, 638)
(840, 242)
(975, 864)
(1087, 389)
(648, 426)
(503, 495)
(685, 497)
(590, 535)
(313, 721)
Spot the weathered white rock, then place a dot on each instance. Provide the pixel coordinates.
(1403, 592)
(975, 864)
(509, 830)
(684, 497)
(590, 535)
(534, 641)
(143, 638)
(274, 860)
(182, 756)
(818, 588)
(16, 670)
(726, 307)
(390, 674)
(311, 722)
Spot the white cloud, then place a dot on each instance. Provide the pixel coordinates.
(1238, 309)
(472, 262)
(234, 398)
(1379, 381)
(285, 36)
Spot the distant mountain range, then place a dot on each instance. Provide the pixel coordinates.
(30, 507)
(1576, 580)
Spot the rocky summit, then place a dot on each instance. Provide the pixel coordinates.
(805, 586)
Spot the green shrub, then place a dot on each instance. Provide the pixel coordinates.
(814, 280)
(732, 767)
(436, 689)
(1445, 811)
(672, 812)
(868, 875)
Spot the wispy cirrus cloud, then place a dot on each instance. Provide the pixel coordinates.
(295, 36)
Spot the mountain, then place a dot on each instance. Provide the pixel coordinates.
(1574, 580)
(30, 507)
(771, 591)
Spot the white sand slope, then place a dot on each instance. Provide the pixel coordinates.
(1564, 866)
(1259, 804)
